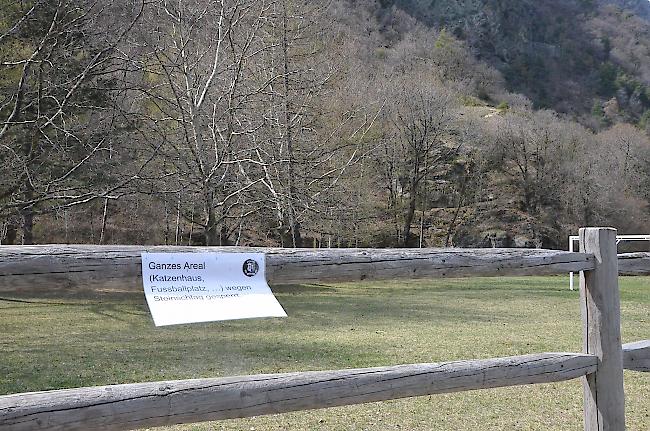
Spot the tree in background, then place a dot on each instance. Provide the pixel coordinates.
(292, 154)
(315, 123)
(530, 149)
(59, 129)
(418, 141)
(623, 171)
(205, 82)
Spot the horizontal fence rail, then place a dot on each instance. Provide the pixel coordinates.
(634, 263)
(636, 356)
(140, 405)
(56, 266)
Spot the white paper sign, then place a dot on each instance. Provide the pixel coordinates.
(206, 287)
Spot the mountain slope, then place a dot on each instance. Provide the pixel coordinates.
(556, 52)
(638, 7)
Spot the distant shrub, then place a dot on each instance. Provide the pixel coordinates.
(471, 101)
(644, 121)
(607, 79)
(598, 113)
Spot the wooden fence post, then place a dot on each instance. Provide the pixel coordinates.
(604, 398)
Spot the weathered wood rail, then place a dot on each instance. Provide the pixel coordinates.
(636, 356)
(166, 403)
(130, 406)
(138, 405)
(634, 263)
(51, 266)
(96, 267)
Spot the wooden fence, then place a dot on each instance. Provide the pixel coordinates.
(130, 406)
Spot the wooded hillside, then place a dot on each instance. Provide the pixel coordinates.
(323, 124)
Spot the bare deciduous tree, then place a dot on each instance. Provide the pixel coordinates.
(58, 123)
(422, 121)
(205, 80)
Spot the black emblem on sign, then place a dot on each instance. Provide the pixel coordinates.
(250, 268)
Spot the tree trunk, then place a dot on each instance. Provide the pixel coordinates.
(177, 234)
(290, 235)
(294, 228)
(10, 233)
(408, 217)
(28, 227)
(452, 224)
(167, 226)
(189, 240)
(27, 215)
(212, 234)
(27, 212)
(102, 234)
(224, 234)
(530, 198)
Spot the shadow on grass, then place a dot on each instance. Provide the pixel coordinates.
(329, 326)
(337, 306)
(110, 311)
(302, 289)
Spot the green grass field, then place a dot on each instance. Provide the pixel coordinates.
(82, 340)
